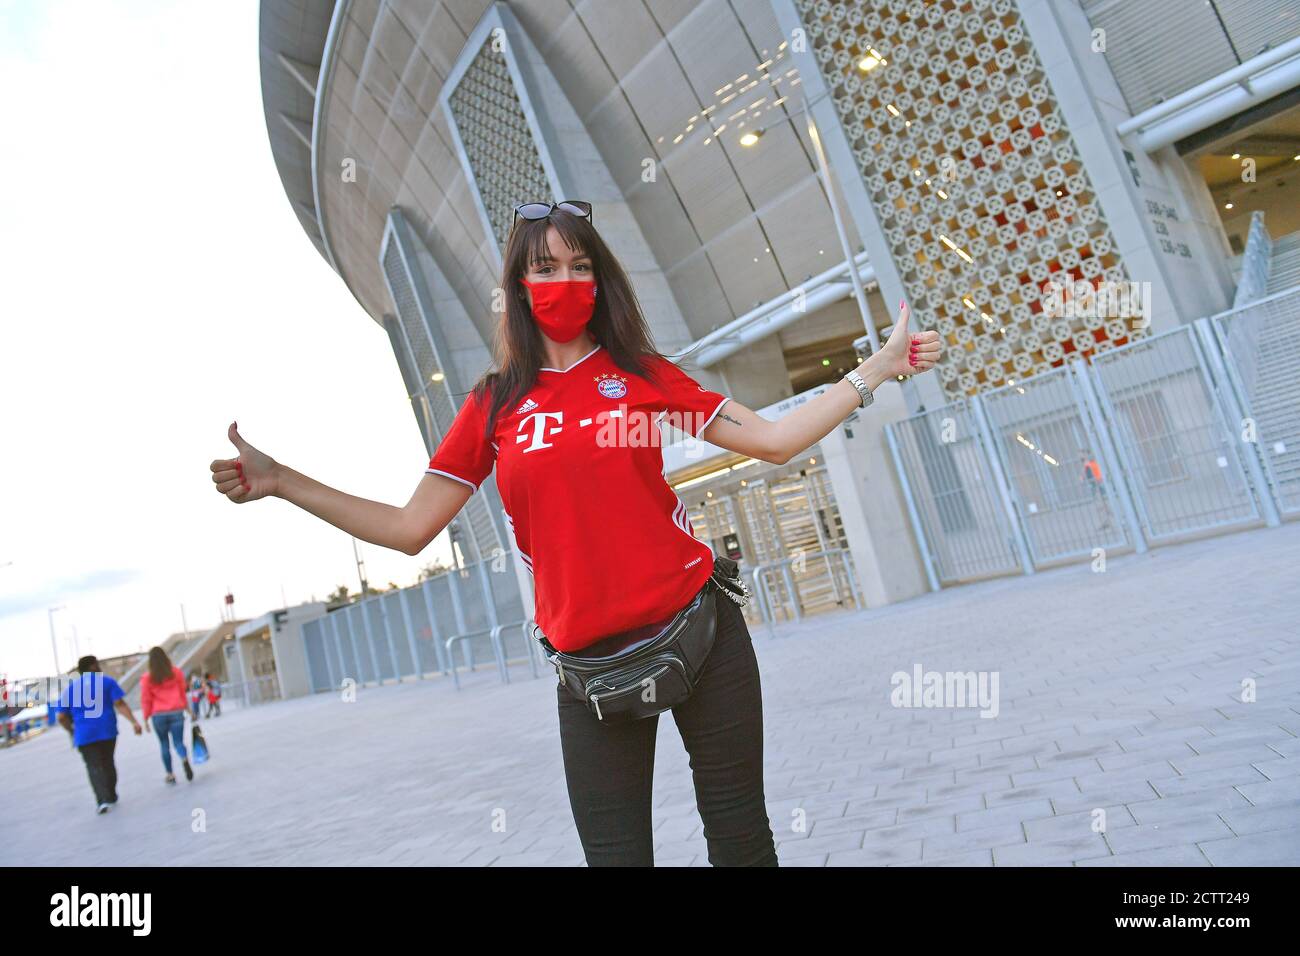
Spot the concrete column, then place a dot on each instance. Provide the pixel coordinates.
(871, 502)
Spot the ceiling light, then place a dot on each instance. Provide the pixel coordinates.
(696, 481)
(1227, 205)
(1236, 155)
(868, 63)
(750, 138)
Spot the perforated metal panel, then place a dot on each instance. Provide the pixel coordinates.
(496, 137)
(434, 406)
(974, 176)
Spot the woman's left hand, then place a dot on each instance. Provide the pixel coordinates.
(907, 353)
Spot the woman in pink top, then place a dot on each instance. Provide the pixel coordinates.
(162, 698)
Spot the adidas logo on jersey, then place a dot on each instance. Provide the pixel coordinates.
(527, 406)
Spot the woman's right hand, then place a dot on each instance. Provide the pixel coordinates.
(250, 476)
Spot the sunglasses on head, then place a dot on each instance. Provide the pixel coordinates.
(540, 210)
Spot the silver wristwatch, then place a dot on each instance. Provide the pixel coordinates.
(856, 381)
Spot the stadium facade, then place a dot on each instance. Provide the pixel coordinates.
(992, 162)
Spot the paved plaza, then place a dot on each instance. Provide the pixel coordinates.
(1118, 691)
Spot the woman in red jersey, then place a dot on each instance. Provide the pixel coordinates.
(565, 419)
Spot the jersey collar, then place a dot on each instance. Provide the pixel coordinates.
(574, 365)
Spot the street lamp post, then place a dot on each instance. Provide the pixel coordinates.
(54, 644)
(361, 570)
(828, 185)
(858, 292)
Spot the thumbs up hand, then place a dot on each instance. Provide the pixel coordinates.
(248, 477)
(907, 352)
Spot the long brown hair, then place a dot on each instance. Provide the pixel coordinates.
(617, 322)
(160, 666)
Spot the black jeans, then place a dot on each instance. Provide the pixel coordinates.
(99, 766)
(609, 767)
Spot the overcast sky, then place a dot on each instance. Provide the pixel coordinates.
(157, 286)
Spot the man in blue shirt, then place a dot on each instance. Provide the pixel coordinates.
(88, 710)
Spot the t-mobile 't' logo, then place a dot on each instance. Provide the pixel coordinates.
(541, 428)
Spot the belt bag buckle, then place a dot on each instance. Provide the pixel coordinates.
(653, 677)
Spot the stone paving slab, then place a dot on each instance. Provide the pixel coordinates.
(1118, 692)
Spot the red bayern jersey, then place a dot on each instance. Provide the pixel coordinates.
(581, 475)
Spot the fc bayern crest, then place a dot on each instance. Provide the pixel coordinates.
(611, 386)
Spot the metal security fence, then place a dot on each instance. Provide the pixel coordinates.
(955, 504)
(1044, 437)
(460, 619)
(1261, 349)
(1185, 465)
(1191, 431)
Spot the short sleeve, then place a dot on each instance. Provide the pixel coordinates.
(690, 406)
(464, 454)
(115, 692)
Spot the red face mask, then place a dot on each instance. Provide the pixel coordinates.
(562, 309)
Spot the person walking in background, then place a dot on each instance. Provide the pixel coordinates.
(87, 709)
(214, 696)
(196, 694)
(1092, 474)
(1092, 478)
(162, 699)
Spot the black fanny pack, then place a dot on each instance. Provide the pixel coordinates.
(652, 668)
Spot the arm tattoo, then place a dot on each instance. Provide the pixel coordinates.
(728, 418)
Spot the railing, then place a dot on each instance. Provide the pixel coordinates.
(759, 576)
(1261, 348)
(495, 635)
(248, 693)
(416, 631)
(1255, 262)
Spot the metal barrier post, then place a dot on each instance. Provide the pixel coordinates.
(927, 555)
(458, 606)
(788, 578)
(370, 640)
(338, 649)
(1109, 454)
(410, 634)
(1109, 419)
(388, 635)
(490, 600)
(988, 440)
(1234, 407)
(325, 651)
(435, 633)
